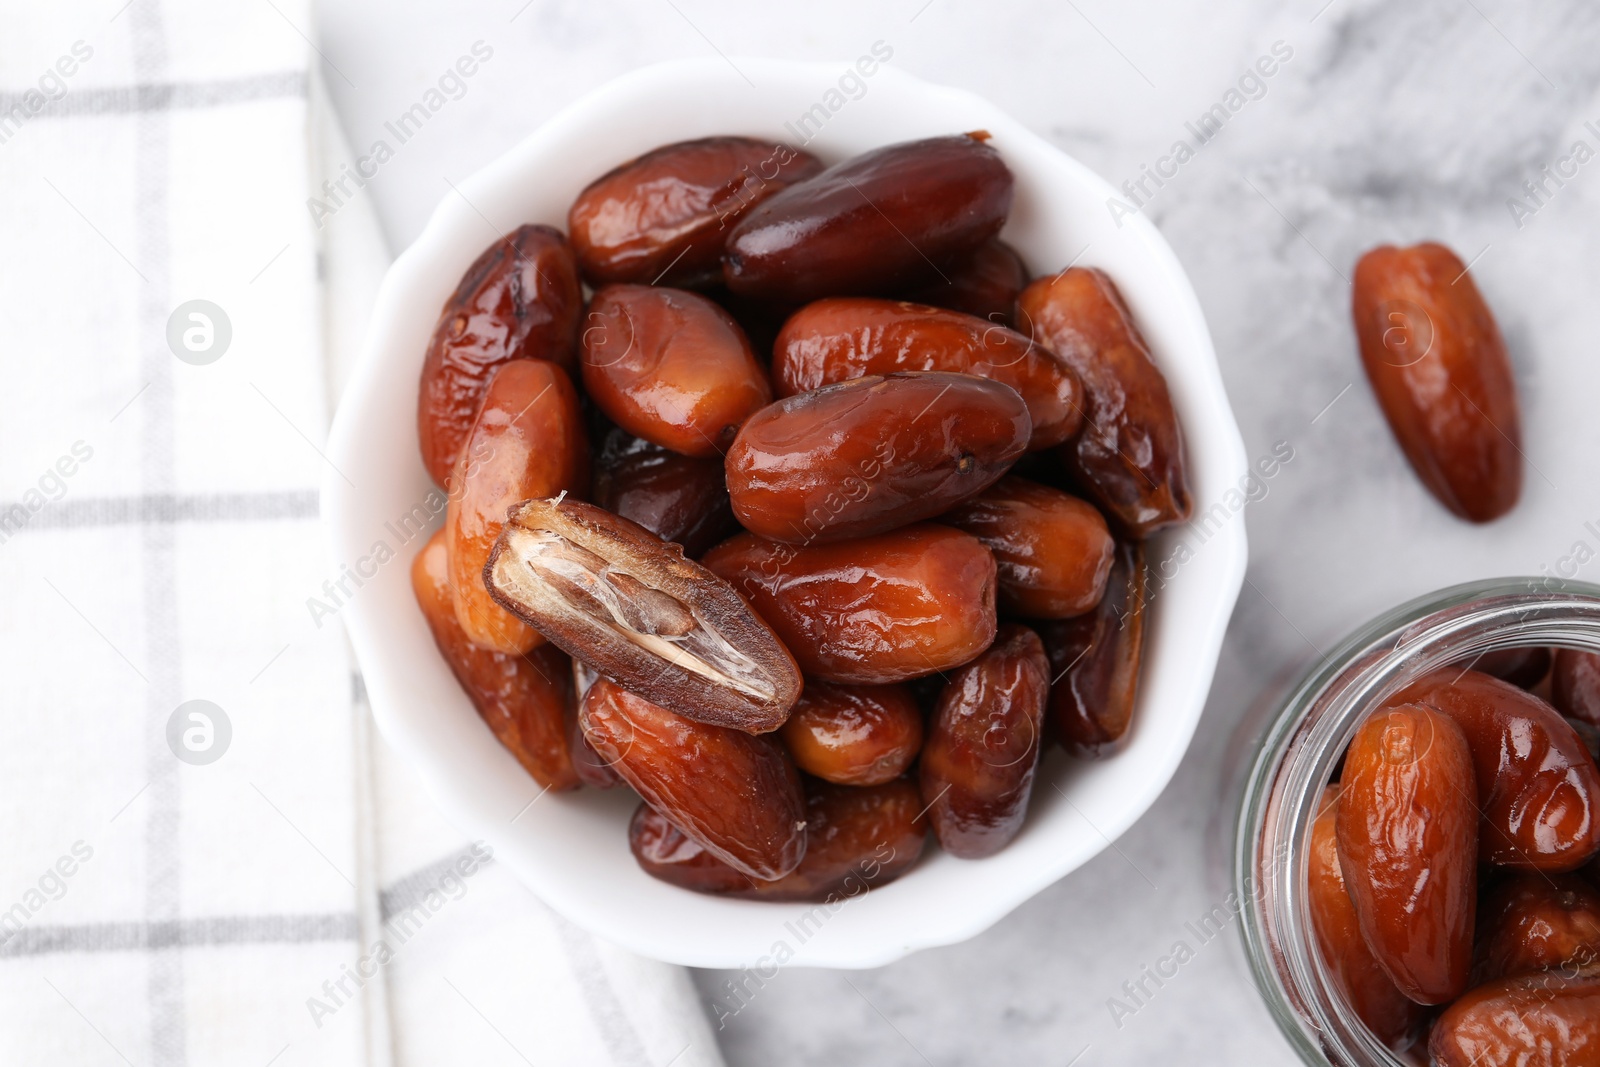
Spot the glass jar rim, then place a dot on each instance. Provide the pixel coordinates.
(1302, 744)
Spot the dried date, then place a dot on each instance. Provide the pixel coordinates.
(1436, 361)
(520, 299)
(736, 794)
(1129, 457)
(880, 609)
(866, 456)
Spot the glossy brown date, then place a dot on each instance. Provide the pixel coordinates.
(671, 367)
(528, 441)
(1407, 834)
(1386, 1011)
(522, 699)
(1095, 661)
(846, 337)
(1575, 685)
(856, 839)
(1436, 361)
(661, 219)
(1538, 1020)
(881, 609)
(1539, 922)
(736, 794)
(1129, 457)
(873, 224)
(984, 283)
(590, 768)
(1053, 551)
(983, 745)
(1537, 786)
(617, 597)
(676, 497)
(520, 299)
(867, 456)
(854, 734)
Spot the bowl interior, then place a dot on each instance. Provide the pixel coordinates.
(571, 849)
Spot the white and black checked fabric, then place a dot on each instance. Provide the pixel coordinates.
(251, 880)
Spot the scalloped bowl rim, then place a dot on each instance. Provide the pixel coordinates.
(570, 849)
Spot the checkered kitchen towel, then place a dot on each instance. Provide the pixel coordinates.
(207, 857)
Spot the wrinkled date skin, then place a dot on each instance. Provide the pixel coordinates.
(671, 367)
(528, 441)
(1408, 843)
(520, 299)
(1436, 361)
(867, 456)
(1385, 1010)
(984, 283)
(1095, 661)
(873, 224)
(846, 337)
(591, 769)
(1539, 922)
(678, 498)
(736, 794)
(1129, 457)
(1538, 1020)
(614, 595)
(856, 839)
(523, 699)
(1575, 685)
(1053, 550)
(983, 746)
(1537, 786)
(661, 219)
(882, 609)
(854, 734)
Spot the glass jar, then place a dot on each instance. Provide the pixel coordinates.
(1303, 744)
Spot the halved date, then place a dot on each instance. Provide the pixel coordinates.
(1095, 660)
(1539, 922)
(1386, 1011)
(1436, 361)
(1537, 786)
(856, 839)
(1408, 845)
(671, 367)
(1538, 1020)
(676, 497)
(983, 745)
(1053, 550)
(736, 794)
(522, 699)
(614, 595)
(873, 224)
(854, 734)
(869, 455)
(520, 299)
(881, 609)
(527, 441)
(1129, 457)
(984, 283)
(661, 219)
(841, 338)
(1575, 685)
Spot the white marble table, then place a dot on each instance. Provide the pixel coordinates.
(1389, 122)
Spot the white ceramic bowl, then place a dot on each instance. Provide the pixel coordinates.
(571, 849)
